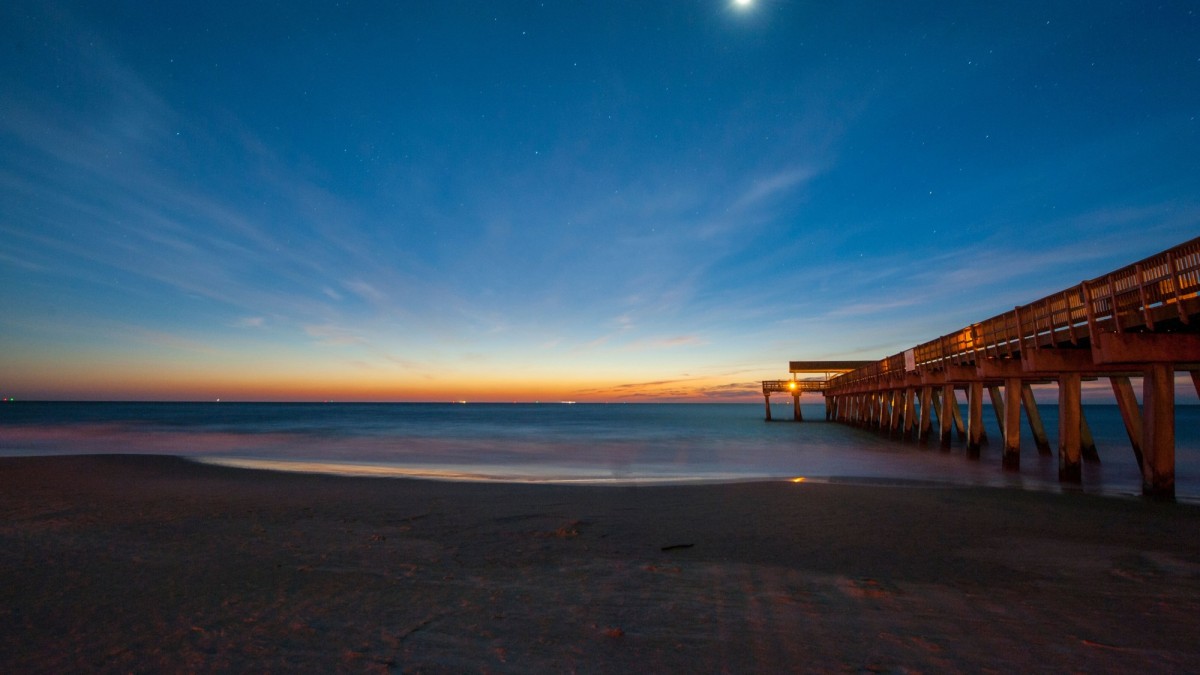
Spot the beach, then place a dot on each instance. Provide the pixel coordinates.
(140, 563)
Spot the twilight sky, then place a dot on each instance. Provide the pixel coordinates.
(562, 199)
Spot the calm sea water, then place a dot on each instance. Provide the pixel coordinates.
(566, 443)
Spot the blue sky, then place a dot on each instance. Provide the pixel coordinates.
(583, 200)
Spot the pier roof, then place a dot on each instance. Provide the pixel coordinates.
(826, 366)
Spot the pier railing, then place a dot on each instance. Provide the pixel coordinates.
(1159, 293)
(792, 386)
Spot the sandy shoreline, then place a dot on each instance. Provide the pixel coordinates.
(139, 563)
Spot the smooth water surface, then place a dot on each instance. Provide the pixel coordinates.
(566, 443)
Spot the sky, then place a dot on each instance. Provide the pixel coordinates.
(562, 200)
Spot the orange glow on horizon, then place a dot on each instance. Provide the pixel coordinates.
(325, 382)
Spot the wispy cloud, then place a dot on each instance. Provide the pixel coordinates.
(251, 322)
(774, 185)
(673, 342)
(172, 341)
(862, 308)
(366, 291)
(730, 391)
(333, 336)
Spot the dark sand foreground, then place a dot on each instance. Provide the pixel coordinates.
(159, 564)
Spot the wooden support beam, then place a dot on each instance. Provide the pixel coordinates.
(910, 414)
(1087, 444)
(796, 414)
(1147, 348)
(1051, 362)
(1130, 415)
(945, 417)
(1158, 431)
(1069, 393)
(897, 405)
(926, 419)
(1035, 419)
(960, 374)
(997, 405)
(1012, 424)
(958, 418)
(998, 369)
(974, 418)
(768, 399)
(1196, 380)
(1057, 360)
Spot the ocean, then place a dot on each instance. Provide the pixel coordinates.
(570, 443)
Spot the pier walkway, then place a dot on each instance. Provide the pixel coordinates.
(1142, 320)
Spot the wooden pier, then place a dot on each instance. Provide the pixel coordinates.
(1142, 320)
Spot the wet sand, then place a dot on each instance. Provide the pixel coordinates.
(136, 563)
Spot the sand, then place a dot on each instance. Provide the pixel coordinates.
(135, 564)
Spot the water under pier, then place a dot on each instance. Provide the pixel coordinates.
(1142, 320)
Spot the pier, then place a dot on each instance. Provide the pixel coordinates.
(1142, 320)
(795, 387)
